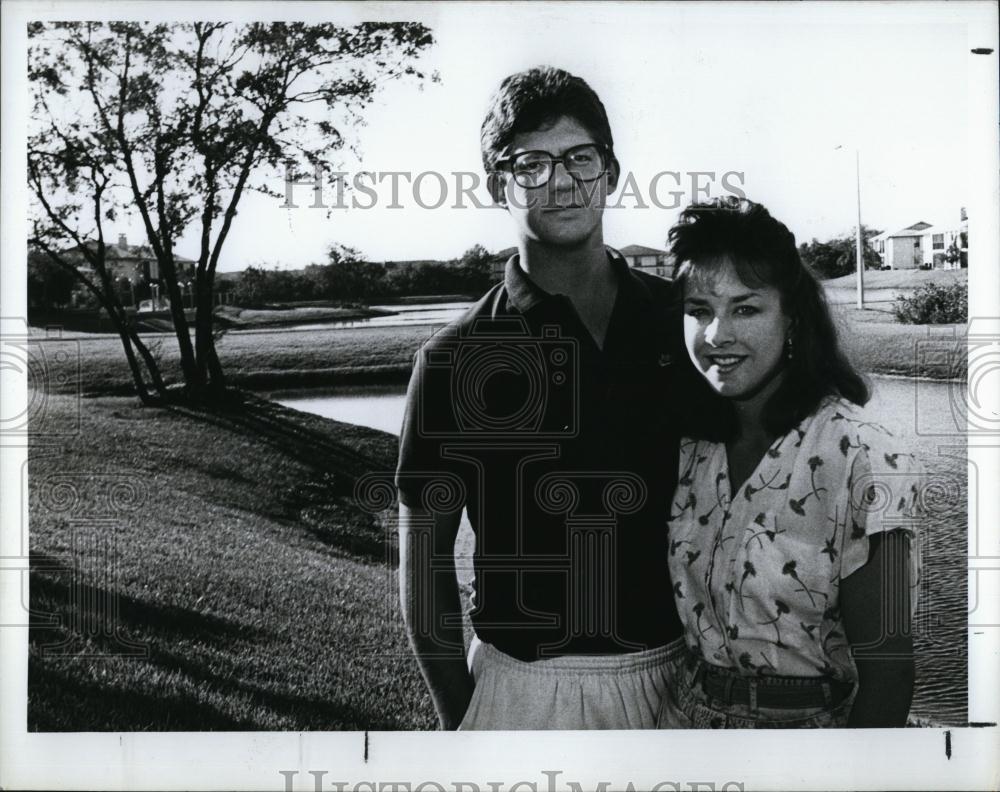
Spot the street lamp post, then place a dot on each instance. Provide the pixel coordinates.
(859, 241)
(859, 263)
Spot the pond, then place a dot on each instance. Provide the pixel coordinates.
(926, 413)
(403, 315)
(375, 406)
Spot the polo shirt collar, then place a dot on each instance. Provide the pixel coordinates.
(525, 294)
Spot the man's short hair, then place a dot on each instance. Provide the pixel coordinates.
(535, 99)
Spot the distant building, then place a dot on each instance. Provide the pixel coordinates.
(135, 263)
(498, 262)
(647, 259)
(410, 264)
(637, 256)
(138, 263)
(923, 245)
(901, 249)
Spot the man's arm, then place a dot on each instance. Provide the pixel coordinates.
(875, 607)
(428, 593)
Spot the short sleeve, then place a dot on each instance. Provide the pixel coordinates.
(425, 477)
(884, 489)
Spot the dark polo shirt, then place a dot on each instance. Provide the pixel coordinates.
(565, 459)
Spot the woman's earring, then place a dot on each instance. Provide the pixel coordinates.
(789, 350)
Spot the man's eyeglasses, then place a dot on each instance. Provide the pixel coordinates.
(534, 168)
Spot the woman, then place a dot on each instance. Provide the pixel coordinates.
(791, 532)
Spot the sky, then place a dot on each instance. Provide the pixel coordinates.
(766, 94)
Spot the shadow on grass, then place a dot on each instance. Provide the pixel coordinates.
(64, 696)
(301, 712)
(61, 700)
(339, 523)
(322, 501)
(75, 602)
(297, 437)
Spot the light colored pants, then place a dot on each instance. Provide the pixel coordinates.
(570, 692)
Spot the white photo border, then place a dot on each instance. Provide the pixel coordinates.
(950, 758)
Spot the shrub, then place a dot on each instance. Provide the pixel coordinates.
(934, 304)
(837, 257)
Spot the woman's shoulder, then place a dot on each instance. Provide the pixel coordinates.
(859, 437)
(694, 451)
(837, 416)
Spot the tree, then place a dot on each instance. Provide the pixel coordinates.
(49, 285)
(347, 277)
(954, 255)
(173, 123)
(838, 256)
(71, 174)
(477, 269)
(251, 288)
(339, 254)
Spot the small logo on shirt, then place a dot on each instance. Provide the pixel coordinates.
(665, 359)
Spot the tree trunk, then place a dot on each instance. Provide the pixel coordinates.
(189, 367)
(133, 364)
(131, 342)
(209, 367)
(151, 366)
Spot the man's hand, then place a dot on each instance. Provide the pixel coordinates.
(428, 591)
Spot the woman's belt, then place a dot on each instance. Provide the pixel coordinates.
(770, 691)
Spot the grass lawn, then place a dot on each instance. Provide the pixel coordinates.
(900, 279)
(296, 359)
(878, 344)
(260, 595)
(259, 359)
(213, 572)
(247, 318)
(255, 592)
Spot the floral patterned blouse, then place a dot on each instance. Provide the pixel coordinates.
(756, 573)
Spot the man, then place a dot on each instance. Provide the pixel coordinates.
(543, 413)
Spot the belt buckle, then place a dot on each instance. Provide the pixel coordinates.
(700, 674)
(728, 689)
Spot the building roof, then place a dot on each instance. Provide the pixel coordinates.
(504, 254)
(917, 229)
(922, 228)
(125, 252)
(641, 250)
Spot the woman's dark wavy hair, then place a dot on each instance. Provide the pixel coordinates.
(533, 99)
(763, 252)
